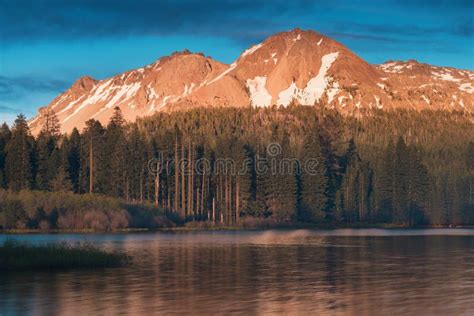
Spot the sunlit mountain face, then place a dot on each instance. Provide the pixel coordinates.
(294, 67)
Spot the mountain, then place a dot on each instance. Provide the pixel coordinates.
(300, 67)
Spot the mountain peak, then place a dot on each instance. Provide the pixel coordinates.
(295, 66)
(184, 52)
(84, 83)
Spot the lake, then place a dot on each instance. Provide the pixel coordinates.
(342, 271)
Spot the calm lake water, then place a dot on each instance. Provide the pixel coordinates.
(306, 272)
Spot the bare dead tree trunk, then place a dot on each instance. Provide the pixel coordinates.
(202, 192)
(214, 209)
(141, 187)
(197, 200)
(227, 199)
(91, 166)
(190, 180)
(176, 176)
(127, 190)
(220, 198)
(157, 184)
(183, 183)
(237, 201)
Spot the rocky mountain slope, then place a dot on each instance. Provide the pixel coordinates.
(295, 67)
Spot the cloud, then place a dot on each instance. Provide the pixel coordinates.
(464, 28)
(244, 21)
(82, 18)
(12, 88)
(366, 37)
(5, 108)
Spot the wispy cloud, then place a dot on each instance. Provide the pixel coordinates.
(255, 19)
(15, 87)
(82, 18)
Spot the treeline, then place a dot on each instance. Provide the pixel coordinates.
(401, 167)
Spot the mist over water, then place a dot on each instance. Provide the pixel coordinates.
(344, 271)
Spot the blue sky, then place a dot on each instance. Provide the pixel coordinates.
(45, 45)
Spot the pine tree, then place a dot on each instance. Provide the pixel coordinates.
(242, 177)
(19, 156)
(72, 158)
(61, 182)
(281, 181)
(93, 175)
(115, 153)
(385, 183)
(51, 126)
(470, 170)
(117, 118)
(47, 151)
(136, 166)
(314, 181)
(5, 135)
(418, 187)
(261, 193)
(350, 187)
(401, 193)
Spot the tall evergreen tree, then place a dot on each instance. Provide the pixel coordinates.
(48, 158)
(314, 181)
(51, 126)
(115, 153)
(281, 180)
(19, 156)
(72, 159)
(5, 135)
(136, 167)
(352, 187)
(385, 183)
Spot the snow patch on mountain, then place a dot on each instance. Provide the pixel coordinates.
(446, 76)
(332, 92)
(126, 92)
(314, 88)
(340, 100)
(377, 102)
(251, 50)
(99, 93)
(426, 99)
(274, 58)
(259, 96)
(286, 96)
(392, 67)
(467, 87)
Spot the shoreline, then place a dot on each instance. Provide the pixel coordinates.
(217, 228)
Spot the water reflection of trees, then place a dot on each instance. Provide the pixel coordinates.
(341, 275)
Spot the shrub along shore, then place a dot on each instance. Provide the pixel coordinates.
(64, 211)
(43, 211)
